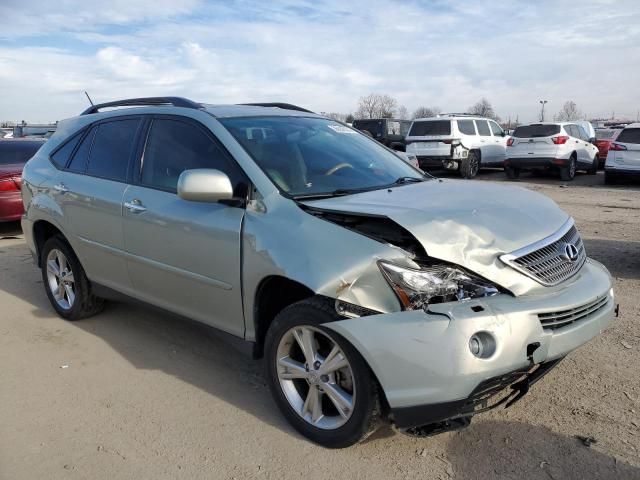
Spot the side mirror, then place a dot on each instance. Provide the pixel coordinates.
(204, 185)
(592, 140)
(503, 133)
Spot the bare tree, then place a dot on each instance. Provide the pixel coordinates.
(376, 106)
(402, 112)
(340, 117)
(426, 112)
(349, 118)
(483, 108)
(568, 113)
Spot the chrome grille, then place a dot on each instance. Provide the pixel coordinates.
(554, 320)
(546, 261)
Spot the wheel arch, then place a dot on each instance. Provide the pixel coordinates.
(43, 230)
(274, 293)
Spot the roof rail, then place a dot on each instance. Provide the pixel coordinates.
(140, 102)
(285, 106)
(459, 115)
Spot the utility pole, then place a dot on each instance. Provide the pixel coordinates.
(542, 102)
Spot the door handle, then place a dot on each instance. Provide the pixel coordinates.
(135, 206)
(61, 187)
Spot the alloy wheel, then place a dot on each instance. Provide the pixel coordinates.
(316, 377)
(60, 279)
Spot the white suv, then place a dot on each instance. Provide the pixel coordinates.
(623, 158)
(564, 146)
(457, 142)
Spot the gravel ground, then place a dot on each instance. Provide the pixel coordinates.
(134, 393)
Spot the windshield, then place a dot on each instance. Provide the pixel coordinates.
(310, 156)
(536, 130)
(605, 134)
(18, 151)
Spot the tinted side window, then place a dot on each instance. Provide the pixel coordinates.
(17, 151)
(112, 149)
(571, 130)
(79, 160)
(61, 157)
(466, 127)
(483, 128)
(495, 129)
(582, 134)
(174, 146)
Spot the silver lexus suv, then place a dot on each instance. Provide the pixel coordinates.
(374, 292)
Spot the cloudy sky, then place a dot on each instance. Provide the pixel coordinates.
(323, 55)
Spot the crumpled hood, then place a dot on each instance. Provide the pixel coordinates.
(469, 223)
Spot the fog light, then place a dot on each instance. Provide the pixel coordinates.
(482, 344)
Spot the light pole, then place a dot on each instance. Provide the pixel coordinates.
(542, 102)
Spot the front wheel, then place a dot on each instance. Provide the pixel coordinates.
(512, 173)
(593, 170)
(318, 380)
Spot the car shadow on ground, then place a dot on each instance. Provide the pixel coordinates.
(204, 358)
(528, 452)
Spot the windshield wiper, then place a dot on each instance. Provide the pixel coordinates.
(335, 193)
(402, 180)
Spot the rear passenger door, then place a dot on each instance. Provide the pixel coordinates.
(90, 192)
(185, 256)
(487, 149)
(499, 145)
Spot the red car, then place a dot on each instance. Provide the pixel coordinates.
(604, 139)
(14, 153)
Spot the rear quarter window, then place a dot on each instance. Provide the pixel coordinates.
(61, 156)
(467, 127)
(430, 127)
(537, 130)
(629, 135)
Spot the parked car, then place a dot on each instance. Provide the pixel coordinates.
(604, 138)
(374, 292)
(409, 158)
(563, 146)
(623, 158)
(388, 131)
(14, 153)
(457, 142)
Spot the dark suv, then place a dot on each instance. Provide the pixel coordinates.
(388, 131)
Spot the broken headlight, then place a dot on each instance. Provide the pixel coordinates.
(435, 284)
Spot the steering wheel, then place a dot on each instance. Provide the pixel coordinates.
(335, 168)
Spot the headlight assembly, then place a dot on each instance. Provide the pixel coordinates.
(435, 284)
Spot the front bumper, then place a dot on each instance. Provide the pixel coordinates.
(423, 359)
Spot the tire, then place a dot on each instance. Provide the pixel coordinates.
(609, 179)
(512, 173)
(593, 170)
(60, 266)
(470, 166)
(568, 173)
(294, 396)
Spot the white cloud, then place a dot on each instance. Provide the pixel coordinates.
(323, 56)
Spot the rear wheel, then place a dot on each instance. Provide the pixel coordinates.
(512, 173)
(594, 166)
(569, 172)
(65, 281)
(319, 381)
(470, 166)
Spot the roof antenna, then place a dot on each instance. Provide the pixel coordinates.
(85, 92)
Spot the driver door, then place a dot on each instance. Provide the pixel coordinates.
(184, 256)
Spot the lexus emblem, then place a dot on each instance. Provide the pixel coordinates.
(569, 252)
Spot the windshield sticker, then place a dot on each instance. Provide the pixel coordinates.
(341, 129)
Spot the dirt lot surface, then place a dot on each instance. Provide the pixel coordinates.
(133, 393)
